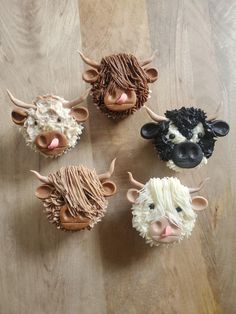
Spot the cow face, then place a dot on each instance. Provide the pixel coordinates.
(51, 125)
(163, 211)
(119, 83)
(75, 197)
(184, 138)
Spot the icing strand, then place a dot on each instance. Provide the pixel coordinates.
(120, 71)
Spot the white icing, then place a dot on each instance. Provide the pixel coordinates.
(179, 138)
(45, 118)
(166, 194)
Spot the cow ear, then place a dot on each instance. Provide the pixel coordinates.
(109, 188)
(44, 191)
(80, 114)
(220, 128)
(152, 74)
(149, 130)
(199, 203)
(19, 116)
(90, 76)
(132, 195)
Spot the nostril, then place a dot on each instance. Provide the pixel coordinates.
(156, 227)
(41, 141)
(182, 151)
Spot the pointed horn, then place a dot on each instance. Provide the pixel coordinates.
(77, 101)
(147, 61)
(134, 182)
(155, 116)
(215, 115)
(108, 174)
(18, 102)
(40, 177)
(193, 190)
(90, 62)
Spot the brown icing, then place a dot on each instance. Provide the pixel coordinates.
(121, 72)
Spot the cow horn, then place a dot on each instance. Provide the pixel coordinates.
(77, 101)
(155, 116)
(134, 182)
(18, 102)
(107, 175)
(215, 115)
(147, 61)
(193, 190)
(90, 62)
(40, 177)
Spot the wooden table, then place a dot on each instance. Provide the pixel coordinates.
(111, 270)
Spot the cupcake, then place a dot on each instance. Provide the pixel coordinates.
(119, 83)
(75, 197)
(50, 125)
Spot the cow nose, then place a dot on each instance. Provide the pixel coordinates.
(187, 155)
(122, 99)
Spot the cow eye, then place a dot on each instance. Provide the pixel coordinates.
(35, 123)
(178, 209)
(200, 134)
(171, 136)
(58, 119)
(152, 206)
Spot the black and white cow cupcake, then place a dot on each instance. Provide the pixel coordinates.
(184, 138)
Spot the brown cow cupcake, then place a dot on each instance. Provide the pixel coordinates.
(75, 197)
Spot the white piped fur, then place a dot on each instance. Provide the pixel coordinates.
(166, 194)
(46, 112)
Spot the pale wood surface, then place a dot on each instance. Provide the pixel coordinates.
(111, 270)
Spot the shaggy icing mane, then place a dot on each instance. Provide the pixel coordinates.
(124, 72)
(80, 189)
(167, 195)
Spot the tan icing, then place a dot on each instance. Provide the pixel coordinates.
(80, 190)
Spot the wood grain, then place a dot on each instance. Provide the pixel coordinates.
(111, 270)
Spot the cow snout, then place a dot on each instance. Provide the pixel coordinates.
(187, 155)
(120, 100)
(163, 230)
(51, 143)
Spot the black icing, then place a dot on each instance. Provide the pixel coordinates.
(178, 209)
(187, 155)
(185, 119)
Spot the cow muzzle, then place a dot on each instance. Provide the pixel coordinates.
(120, 100)
(187, 155)
(164, 231)
(51, 143)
